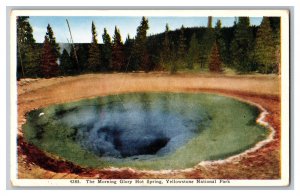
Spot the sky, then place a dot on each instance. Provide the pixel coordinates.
(81, 25)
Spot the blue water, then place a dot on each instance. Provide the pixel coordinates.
(135, 126)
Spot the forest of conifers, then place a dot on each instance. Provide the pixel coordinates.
(242, 47)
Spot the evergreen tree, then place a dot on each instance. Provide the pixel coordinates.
(265, 48)
(154, 55)
(174, 62)
(220, 40)
(193, 52)
(52, 40)
(181, 51)
(128, 47)
(49, 66)
(215, 59)
(165, 56)
(209, 22)
(94, 52)
(178, 56)
(76, 59)
(140, 56)
(27, 53)
(82, 51)
(66, 65)
(242, 46)
(206, 43)
(275, 24)
(106, 51)
(118, 56)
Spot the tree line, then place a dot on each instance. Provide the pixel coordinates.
(242, 47)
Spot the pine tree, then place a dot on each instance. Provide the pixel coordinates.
(66, 65)
(181, 51)
(275, 25)
(49, 66)
(82, 53)
(165, 56)
(209, 22)
(265, 48)
(242, 46)
(180, 59)
(206, 43)
(76, 59)
(106, 51)
(52, 40)
(215, 59)
(27, 53)
(94, 52)
(193, 52)
(128, 47)
(140, 56)
(220, 40)
(118, 56)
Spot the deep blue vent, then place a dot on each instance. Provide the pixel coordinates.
(137, 126)
(130, 145)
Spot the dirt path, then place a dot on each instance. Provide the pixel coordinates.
(263, 90)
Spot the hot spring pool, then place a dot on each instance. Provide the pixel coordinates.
(145, 130)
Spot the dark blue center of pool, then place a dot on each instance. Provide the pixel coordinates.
(137, 126)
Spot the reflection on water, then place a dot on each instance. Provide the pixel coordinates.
(135, 126)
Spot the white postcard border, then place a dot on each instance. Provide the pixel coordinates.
(285, 99)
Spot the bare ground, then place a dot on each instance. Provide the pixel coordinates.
(263, 163)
